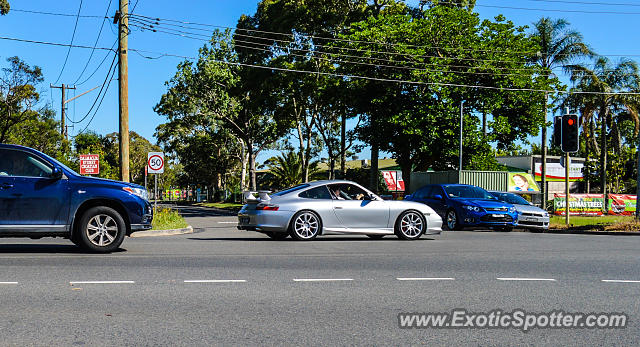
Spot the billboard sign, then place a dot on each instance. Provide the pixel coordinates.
(89, 164)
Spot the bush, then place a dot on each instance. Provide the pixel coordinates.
(166, 218)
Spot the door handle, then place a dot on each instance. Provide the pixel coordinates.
(338, 207)
(6, 186)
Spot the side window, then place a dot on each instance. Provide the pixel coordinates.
(20, 163)
(316, 193)
(436, 190)
(347, 192)
(423, 193)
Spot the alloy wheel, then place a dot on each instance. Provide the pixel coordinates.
(102, 230)
(306, 225)
(411, 224)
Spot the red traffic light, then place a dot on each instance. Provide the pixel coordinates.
(570, 121)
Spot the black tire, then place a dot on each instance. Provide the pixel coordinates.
(410, 225)
(376, 236)
(451, 220)
(277, 235)
(305, 226)
(101, 229)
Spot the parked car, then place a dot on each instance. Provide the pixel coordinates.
(529, 215)
(334, 207)
(462, 205)
(41, 197)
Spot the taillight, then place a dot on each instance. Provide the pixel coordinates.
(266, 207)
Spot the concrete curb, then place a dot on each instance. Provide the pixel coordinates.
(170, 232)
(586, 232)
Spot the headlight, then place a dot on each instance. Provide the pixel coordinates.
(142, 193)
(471, 208)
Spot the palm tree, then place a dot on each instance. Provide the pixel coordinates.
(286, 169)
(602, 87)
(559, 46)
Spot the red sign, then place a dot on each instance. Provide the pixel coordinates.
(394, 180)
(89, 164)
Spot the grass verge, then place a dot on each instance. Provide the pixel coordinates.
(596, 223)
(166, 218)
(221, 205)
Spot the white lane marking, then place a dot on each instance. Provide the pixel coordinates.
(621, 281)
(8, 282)
(425, 278)
(102, 282)
(215, 281)
(321, 279)
(525, 279)
(227, 222)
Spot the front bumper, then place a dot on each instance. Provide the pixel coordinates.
(531, 222)
(488, 219)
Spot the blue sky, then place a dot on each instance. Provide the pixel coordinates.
(607, 33)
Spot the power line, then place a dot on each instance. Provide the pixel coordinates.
(588, 3)
(273, 68)
(55, 13)
(101, 62)
(53, 43)
(111, 69)
(73, 36)
(101, 100)
(94, 44)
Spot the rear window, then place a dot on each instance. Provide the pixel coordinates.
(316, 193)
(290, 190)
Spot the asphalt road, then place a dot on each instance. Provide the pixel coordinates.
(220, 286)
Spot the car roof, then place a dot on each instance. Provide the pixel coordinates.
(323, 182)
(6, 145)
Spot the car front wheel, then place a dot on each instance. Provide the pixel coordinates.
(101, 229)
(410, 226)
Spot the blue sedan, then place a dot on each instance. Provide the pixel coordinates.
(462, 205)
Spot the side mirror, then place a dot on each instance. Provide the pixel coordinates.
(438, 197)
(56, 173)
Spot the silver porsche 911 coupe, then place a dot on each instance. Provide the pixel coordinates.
(334, 207)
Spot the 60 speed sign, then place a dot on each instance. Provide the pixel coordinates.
(155, 162)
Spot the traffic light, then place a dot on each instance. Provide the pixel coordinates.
(557, 131)
(570, 131)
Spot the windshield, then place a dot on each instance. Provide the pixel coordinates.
(511, 198)
(289, 190)
(468, 192)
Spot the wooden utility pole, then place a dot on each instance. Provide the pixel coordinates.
(123, 81)
(63, 113)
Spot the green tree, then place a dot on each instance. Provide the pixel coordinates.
(602, 86)
(18, 95)
(286, 169)
(4, 7)
(559, 46)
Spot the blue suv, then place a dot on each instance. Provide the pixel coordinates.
(41, 197)
(462, 205)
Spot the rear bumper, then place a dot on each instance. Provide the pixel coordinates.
(263, 221)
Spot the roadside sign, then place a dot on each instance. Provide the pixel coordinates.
(89, 164)
(155, 162)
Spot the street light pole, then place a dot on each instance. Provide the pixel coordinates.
(461, 125)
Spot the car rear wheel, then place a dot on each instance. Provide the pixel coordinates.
(452, 220)
(101, 229)
(305, 226)
(277, 235)
(410, 226)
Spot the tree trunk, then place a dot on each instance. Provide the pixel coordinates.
(252, 166)
(543, 148)
(603, 156)
(343, 146)
(484, 124)
(245, 161)
(373, 172)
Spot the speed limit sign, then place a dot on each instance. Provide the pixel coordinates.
(155, 162)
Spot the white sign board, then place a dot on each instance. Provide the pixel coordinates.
(557, 171)
(155, 162)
